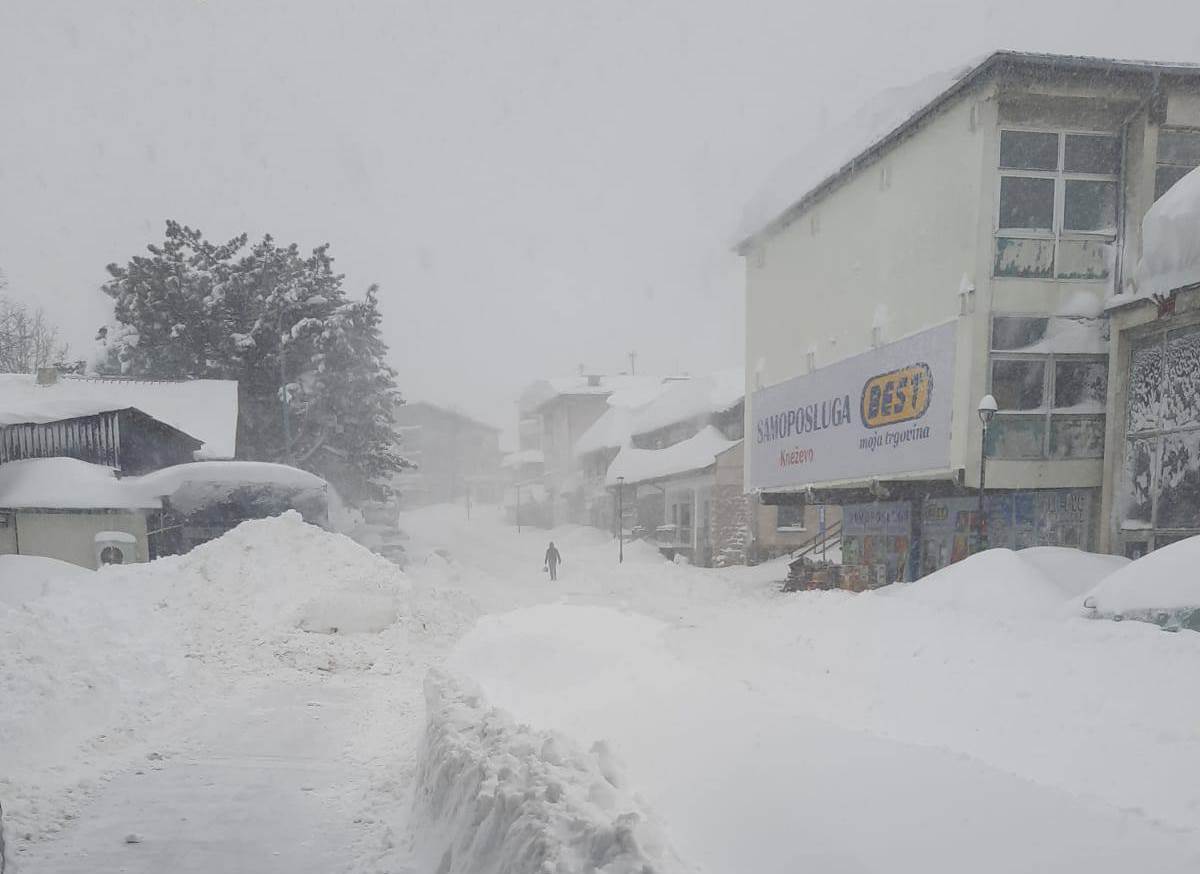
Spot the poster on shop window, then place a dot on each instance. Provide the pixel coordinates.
(881, 413)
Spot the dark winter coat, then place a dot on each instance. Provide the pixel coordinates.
(552, 556)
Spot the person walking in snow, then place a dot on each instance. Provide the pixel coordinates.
(553, 560)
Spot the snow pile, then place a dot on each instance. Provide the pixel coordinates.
(1073, 571)
(1000, 583)
(269, 577)
(123, 659)
(1171, 240)
(493, 797)
(996, 582)
(642, 465)
(1071, 335)
(28, 577)
(615, 658)
(1166, 579)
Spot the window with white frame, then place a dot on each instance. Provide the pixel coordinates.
(1050, 380)
(1178, 155)
(1056, 204)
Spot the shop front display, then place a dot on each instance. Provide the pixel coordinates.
(876, 544)
(1011, 520)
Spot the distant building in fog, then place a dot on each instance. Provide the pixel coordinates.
(456, 456)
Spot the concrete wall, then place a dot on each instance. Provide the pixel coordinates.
(69, 535)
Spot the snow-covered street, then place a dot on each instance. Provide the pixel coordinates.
(207, 705)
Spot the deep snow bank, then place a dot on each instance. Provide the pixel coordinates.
(28, 577)
(493, 797)
(1166, 579)
(98, 669)
(1003, 584)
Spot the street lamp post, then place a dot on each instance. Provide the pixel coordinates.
(987, 408)
(620, 520)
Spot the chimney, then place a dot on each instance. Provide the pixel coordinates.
(47, 375)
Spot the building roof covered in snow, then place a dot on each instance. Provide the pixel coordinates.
(542, 391)
(1171, 240)
(201, 483)
(523, 457)
(644, 465)
(611, 431)
(698, 397)
(69, 484)
(206, 409)
(837, 154)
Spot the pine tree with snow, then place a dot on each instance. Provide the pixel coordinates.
(314, 388)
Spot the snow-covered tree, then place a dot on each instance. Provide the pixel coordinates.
(28, 340)
(315, 389)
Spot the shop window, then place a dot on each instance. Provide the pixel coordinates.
(1138, 503)
(1179, 481)
(789, 517)
(1026, 204)
(1181, 387)
(1161, 476)
(1057, 204)
(1051, 402)
(1028, 150)
(1026, 259)
(1084, 153)
(1080, 385)
(1019, 384)
(1018, 332)
(1090, 206)
(1145, 387)
(1016, 437)
(1178, 155)
(1077, 437)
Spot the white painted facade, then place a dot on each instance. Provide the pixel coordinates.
(70, 535)
(908, 241)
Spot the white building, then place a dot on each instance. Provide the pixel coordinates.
(673, 463)
(553, 414)
(958, 239)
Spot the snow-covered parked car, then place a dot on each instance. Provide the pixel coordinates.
(1162, 587)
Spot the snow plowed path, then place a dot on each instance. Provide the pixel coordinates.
(258, 787)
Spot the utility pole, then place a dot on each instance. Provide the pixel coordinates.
(633, 363)
(518, 508)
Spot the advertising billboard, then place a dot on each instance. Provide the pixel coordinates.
(884, 412)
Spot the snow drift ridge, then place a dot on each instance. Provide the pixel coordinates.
(493, 797)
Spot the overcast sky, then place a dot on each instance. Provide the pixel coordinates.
(535, 185)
